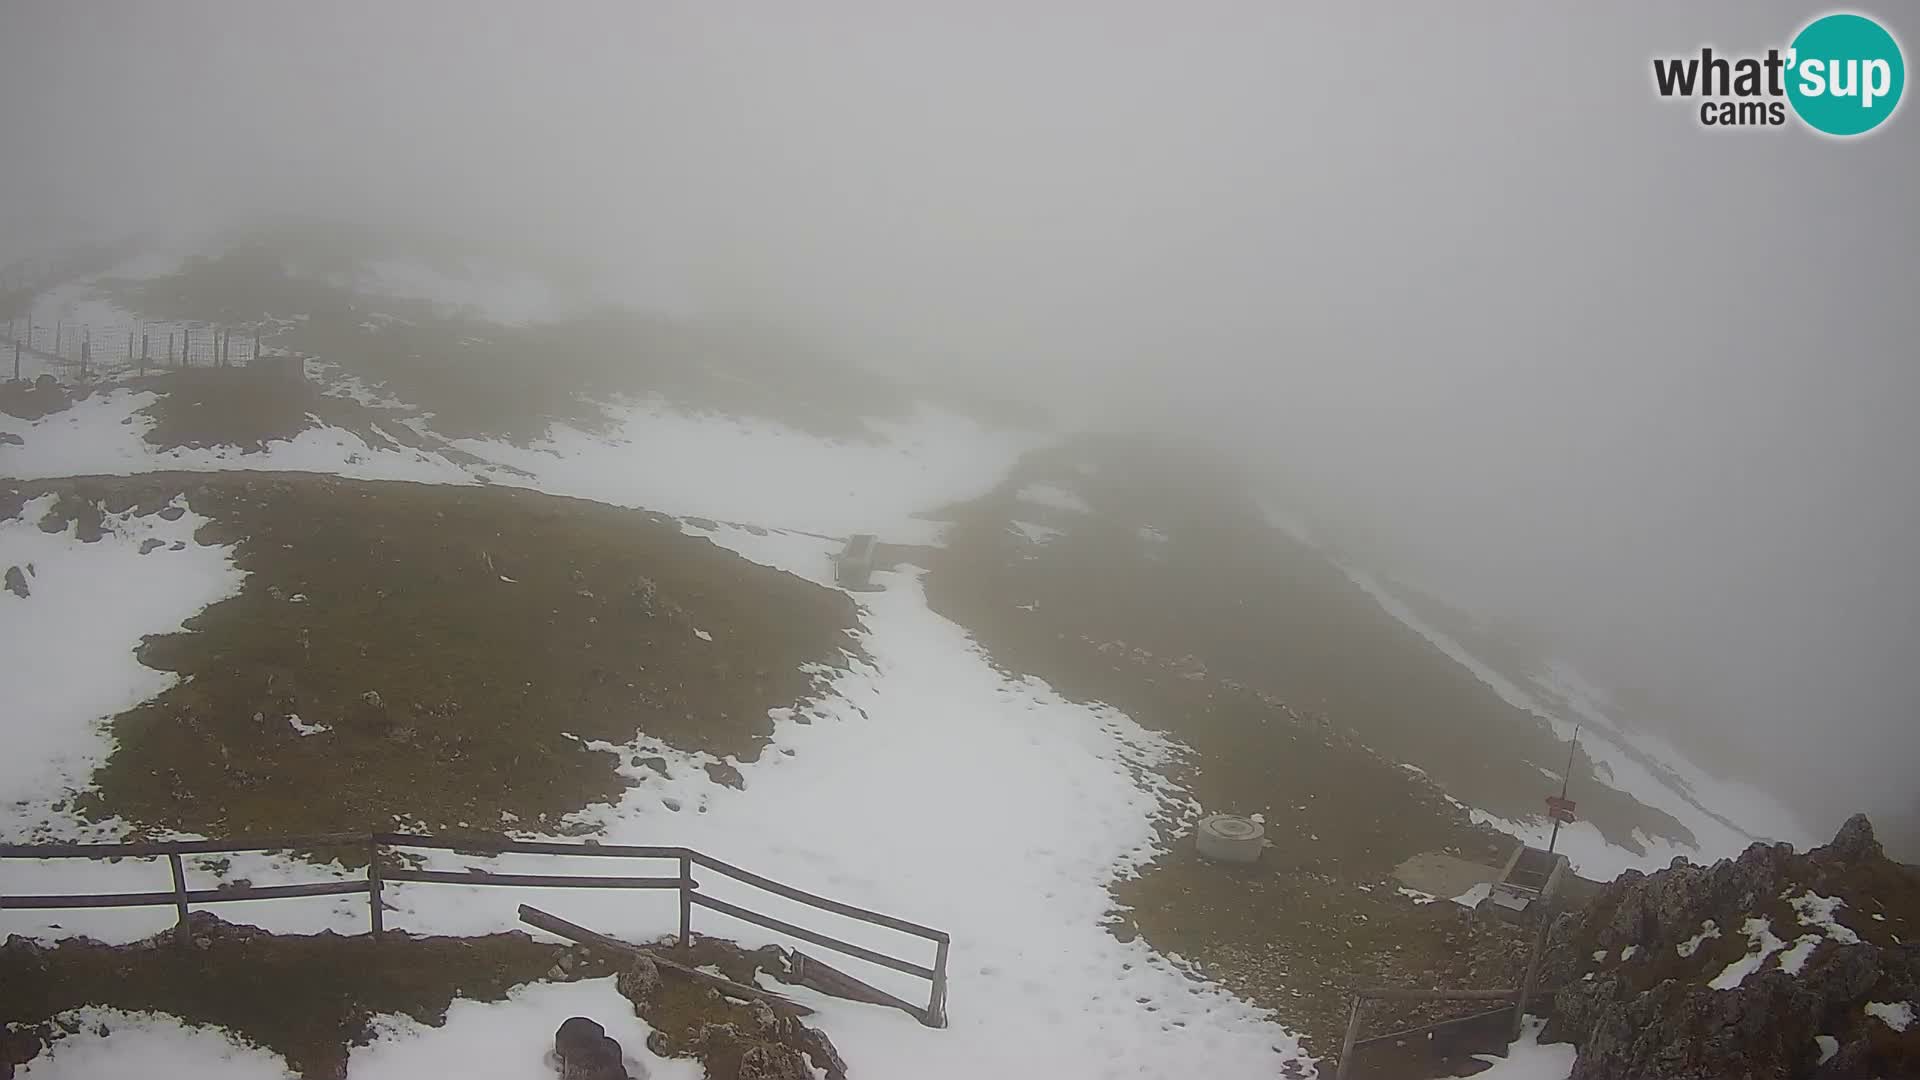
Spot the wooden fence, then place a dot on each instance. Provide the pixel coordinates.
(685, 860)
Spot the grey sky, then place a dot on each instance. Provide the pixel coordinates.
(1562, 353)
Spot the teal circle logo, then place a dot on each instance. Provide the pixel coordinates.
(1845, 74)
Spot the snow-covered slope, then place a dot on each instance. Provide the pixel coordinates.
(1564, 701)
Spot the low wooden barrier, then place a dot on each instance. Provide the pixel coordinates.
(378, 875)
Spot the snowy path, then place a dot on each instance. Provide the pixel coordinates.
(932, 788)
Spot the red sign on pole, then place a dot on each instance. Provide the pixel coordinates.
(1560, 809)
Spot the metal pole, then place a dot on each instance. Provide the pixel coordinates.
(1572, 745)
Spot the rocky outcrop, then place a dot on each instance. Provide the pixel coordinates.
(1758, 966)
(733, 1040)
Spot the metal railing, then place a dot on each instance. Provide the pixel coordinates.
(378, 875)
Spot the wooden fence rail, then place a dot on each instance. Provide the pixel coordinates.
(378, 875)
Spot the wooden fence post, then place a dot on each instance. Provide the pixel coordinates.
(1353, 1034)
(146, 352)
(186, 347)
(377, 916)
(169, 348)
(686, 901)
(56, 337)
(129, 346)
(16, 361)
(937, 1001)
(1533, 972)
(180, 898)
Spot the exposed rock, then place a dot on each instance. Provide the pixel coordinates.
(16, 583)
(1647, 991)
(150, 543)
(368, 713)
(1854, 842)
(586, 1053)
(722, 773)
(639, 982)
(772, 1061)
(8, 438)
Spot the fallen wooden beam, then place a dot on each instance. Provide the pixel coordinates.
(824, 977)
(553, 924)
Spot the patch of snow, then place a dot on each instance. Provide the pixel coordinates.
(1528, 1059)
(1828, 1045)
(1797, 956)
(1897, 1015)
(1760, 933)
(702, 635)
(1050, 495)
(1472, 897)
(152, 1046)
(510, 1038)
(1038, 534)
(1585, 846)
(767, 474)
(1626, 954)
(69, 662)
(1599, 956)
(1417, 896)
(303, 728)
(1152, 535)
(1708, 929)
(104, 433)
(1817, 911)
